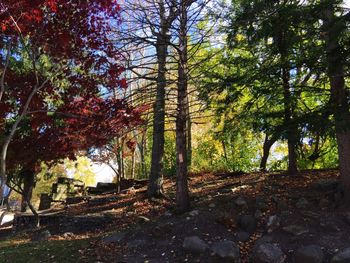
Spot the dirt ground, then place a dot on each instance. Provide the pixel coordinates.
(248, 209)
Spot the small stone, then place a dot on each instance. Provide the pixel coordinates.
(226, 250)
(114, 237)
(282, 205)
(248, 223)
(212, 205)
(168, 214)
(242, 236)
(324, 202)
(241, 202)
(258, 214)
(268, 253)
(137, 243)
(194, 245)
(347, 217)
(309, 254)
(311, 215)
(42, 236)
(273, 222)
(342, 257)
(260, 203)
(295, 230)
(194, 213)
(329, 225)
(302, 203)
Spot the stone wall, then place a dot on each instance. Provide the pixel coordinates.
(61, 223)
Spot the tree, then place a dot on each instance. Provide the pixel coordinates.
(335, 26)
(154, 19)
(59, 80)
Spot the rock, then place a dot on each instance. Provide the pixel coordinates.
(226, 250)
(137, 243)
(248, 223)
(285, 214)
(330, 224)
(295, 230)
(268, 253)
(168, 214)
(311, 215)
(347, 217)
(194, 245)
(309, 254)
(260, 203)
(273, 222)
(114, 237)
(258, 214)
(68, 235)
(194, 213)
(241, 202)
(342, 257)
(42, 236)
(263, 240)
(212, 205)
(302, 203)
(324, 202)
(242, 236)
(282, 205)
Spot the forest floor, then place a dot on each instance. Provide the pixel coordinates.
(287, 212)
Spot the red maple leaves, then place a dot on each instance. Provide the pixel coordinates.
(75, 108)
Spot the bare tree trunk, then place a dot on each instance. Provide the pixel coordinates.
(182, 193)
(133, 165)
(268, 142)
(189, 135)
(223, 143)
(339, 95)
(156, 174)
(142, 149)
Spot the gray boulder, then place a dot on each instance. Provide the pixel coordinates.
(41, 236)
(309, 254)
(268, 253)
(194, 244)
(248, 223)
(347, 217)
(241, 202)
(296, 230)
(342, 257)
(242, 236)
(302, 203)
(226, 250)
(114, 237)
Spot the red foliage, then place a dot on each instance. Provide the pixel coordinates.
(76, 35)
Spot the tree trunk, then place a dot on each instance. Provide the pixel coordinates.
(28, 186)
(339, 95)
(189, 135)
(182, 195)
(133, 157)
(266, 152)
(156, 174)
(290, 125)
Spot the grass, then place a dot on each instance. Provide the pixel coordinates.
(67, 251)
